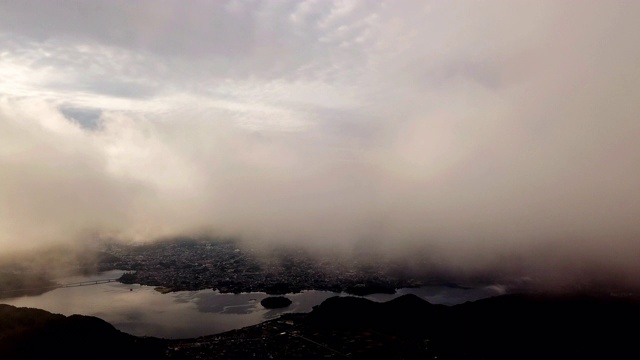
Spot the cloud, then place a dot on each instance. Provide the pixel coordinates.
(483, 134)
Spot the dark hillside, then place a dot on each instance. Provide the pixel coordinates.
(38, 334)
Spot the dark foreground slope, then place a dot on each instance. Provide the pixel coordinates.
(38, 334)
(512, 326)
(539, 326)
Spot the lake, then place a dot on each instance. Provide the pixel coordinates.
(140, 310)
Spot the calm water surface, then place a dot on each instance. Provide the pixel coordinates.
(142, 311)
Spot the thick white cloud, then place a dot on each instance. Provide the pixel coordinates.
(482, 130)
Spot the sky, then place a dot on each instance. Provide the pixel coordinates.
(479, 132)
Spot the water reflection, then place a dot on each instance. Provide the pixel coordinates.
(142, 311)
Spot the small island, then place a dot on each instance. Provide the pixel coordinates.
(275, 302)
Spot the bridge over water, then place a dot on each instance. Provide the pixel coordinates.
(56, 286)
(87, 283)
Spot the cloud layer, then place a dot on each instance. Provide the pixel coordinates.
(488, 133)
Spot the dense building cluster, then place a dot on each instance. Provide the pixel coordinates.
(223, 265)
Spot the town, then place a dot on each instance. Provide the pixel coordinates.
(196, 264)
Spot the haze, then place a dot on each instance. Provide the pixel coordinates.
(481, 134)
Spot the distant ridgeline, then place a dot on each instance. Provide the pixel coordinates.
(510, 326)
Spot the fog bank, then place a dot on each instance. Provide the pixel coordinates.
(478, 135)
